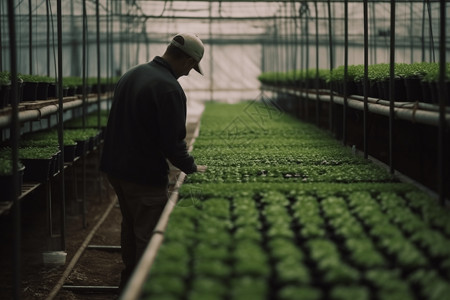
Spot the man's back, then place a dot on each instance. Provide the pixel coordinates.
(146, 125)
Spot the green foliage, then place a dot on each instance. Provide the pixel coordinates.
(428, 72)
(354, 73)
(45, 138)
(6, 163)
(286, 210)
(38, 152)
(72, 81)
(295, 77)
(36, 78)
(5, 78)
(81, 134)
(433, 72)
(350, 292)
(293, 292)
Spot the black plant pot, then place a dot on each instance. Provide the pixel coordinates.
(434, 91)
(6, 186)
(91, 143)
(413, 89)
(372, 92)
(373, 89)
(399, 90)
(52, 90)
(19, 95)
(42, 91)
(37, 169)
(54, 166)
(99, 88)
(71, 91)
(69, 153)
(29, 91)
(359, 88)
(426, 92)
(4, 95)
(79, 90)
(382, 90)
(82, 147)
(351, 88)
(19, 92)
(336, 87)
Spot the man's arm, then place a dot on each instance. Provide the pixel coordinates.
(172, 126)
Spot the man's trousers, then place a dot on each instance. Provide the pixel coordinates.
(141, 207)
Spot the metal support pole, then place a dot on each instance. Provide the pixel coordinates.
(344, 112)
(442, 180)
(61, 127)
(374, 37)
(430, 26)
(47, 4)
(1, 35)
(30, 37)
(411, 32)
(330, 38)
(302, 69)
(211, 62)
(295, 38)
(83, 200)
(306, 59)
(423, 32)
(14, 133)
(366, 79)
(391, 88)
(317, 65)
(83, 59)
(99, 71)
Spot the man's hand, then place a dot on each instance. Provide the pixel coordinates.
(201, 169)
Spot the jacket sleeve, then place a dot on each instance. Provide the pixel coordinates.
(172, 126)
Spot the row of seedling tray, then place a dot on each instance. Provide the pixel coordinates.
(40, 156)
(340, 227)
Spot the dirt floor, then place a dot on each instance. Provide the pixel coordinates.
(94, 267)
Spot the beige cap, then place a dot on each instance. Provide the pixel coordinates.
(190, 44)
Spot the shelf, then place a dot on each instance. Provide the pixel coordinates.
(422, 113)
(35, 110)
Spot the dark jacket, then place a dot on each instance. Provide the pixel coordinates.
(146, 125)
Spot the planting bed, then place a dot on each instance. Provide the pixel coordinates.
(286, 212)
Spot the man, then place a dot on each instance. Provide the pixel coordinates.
(147, 127)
